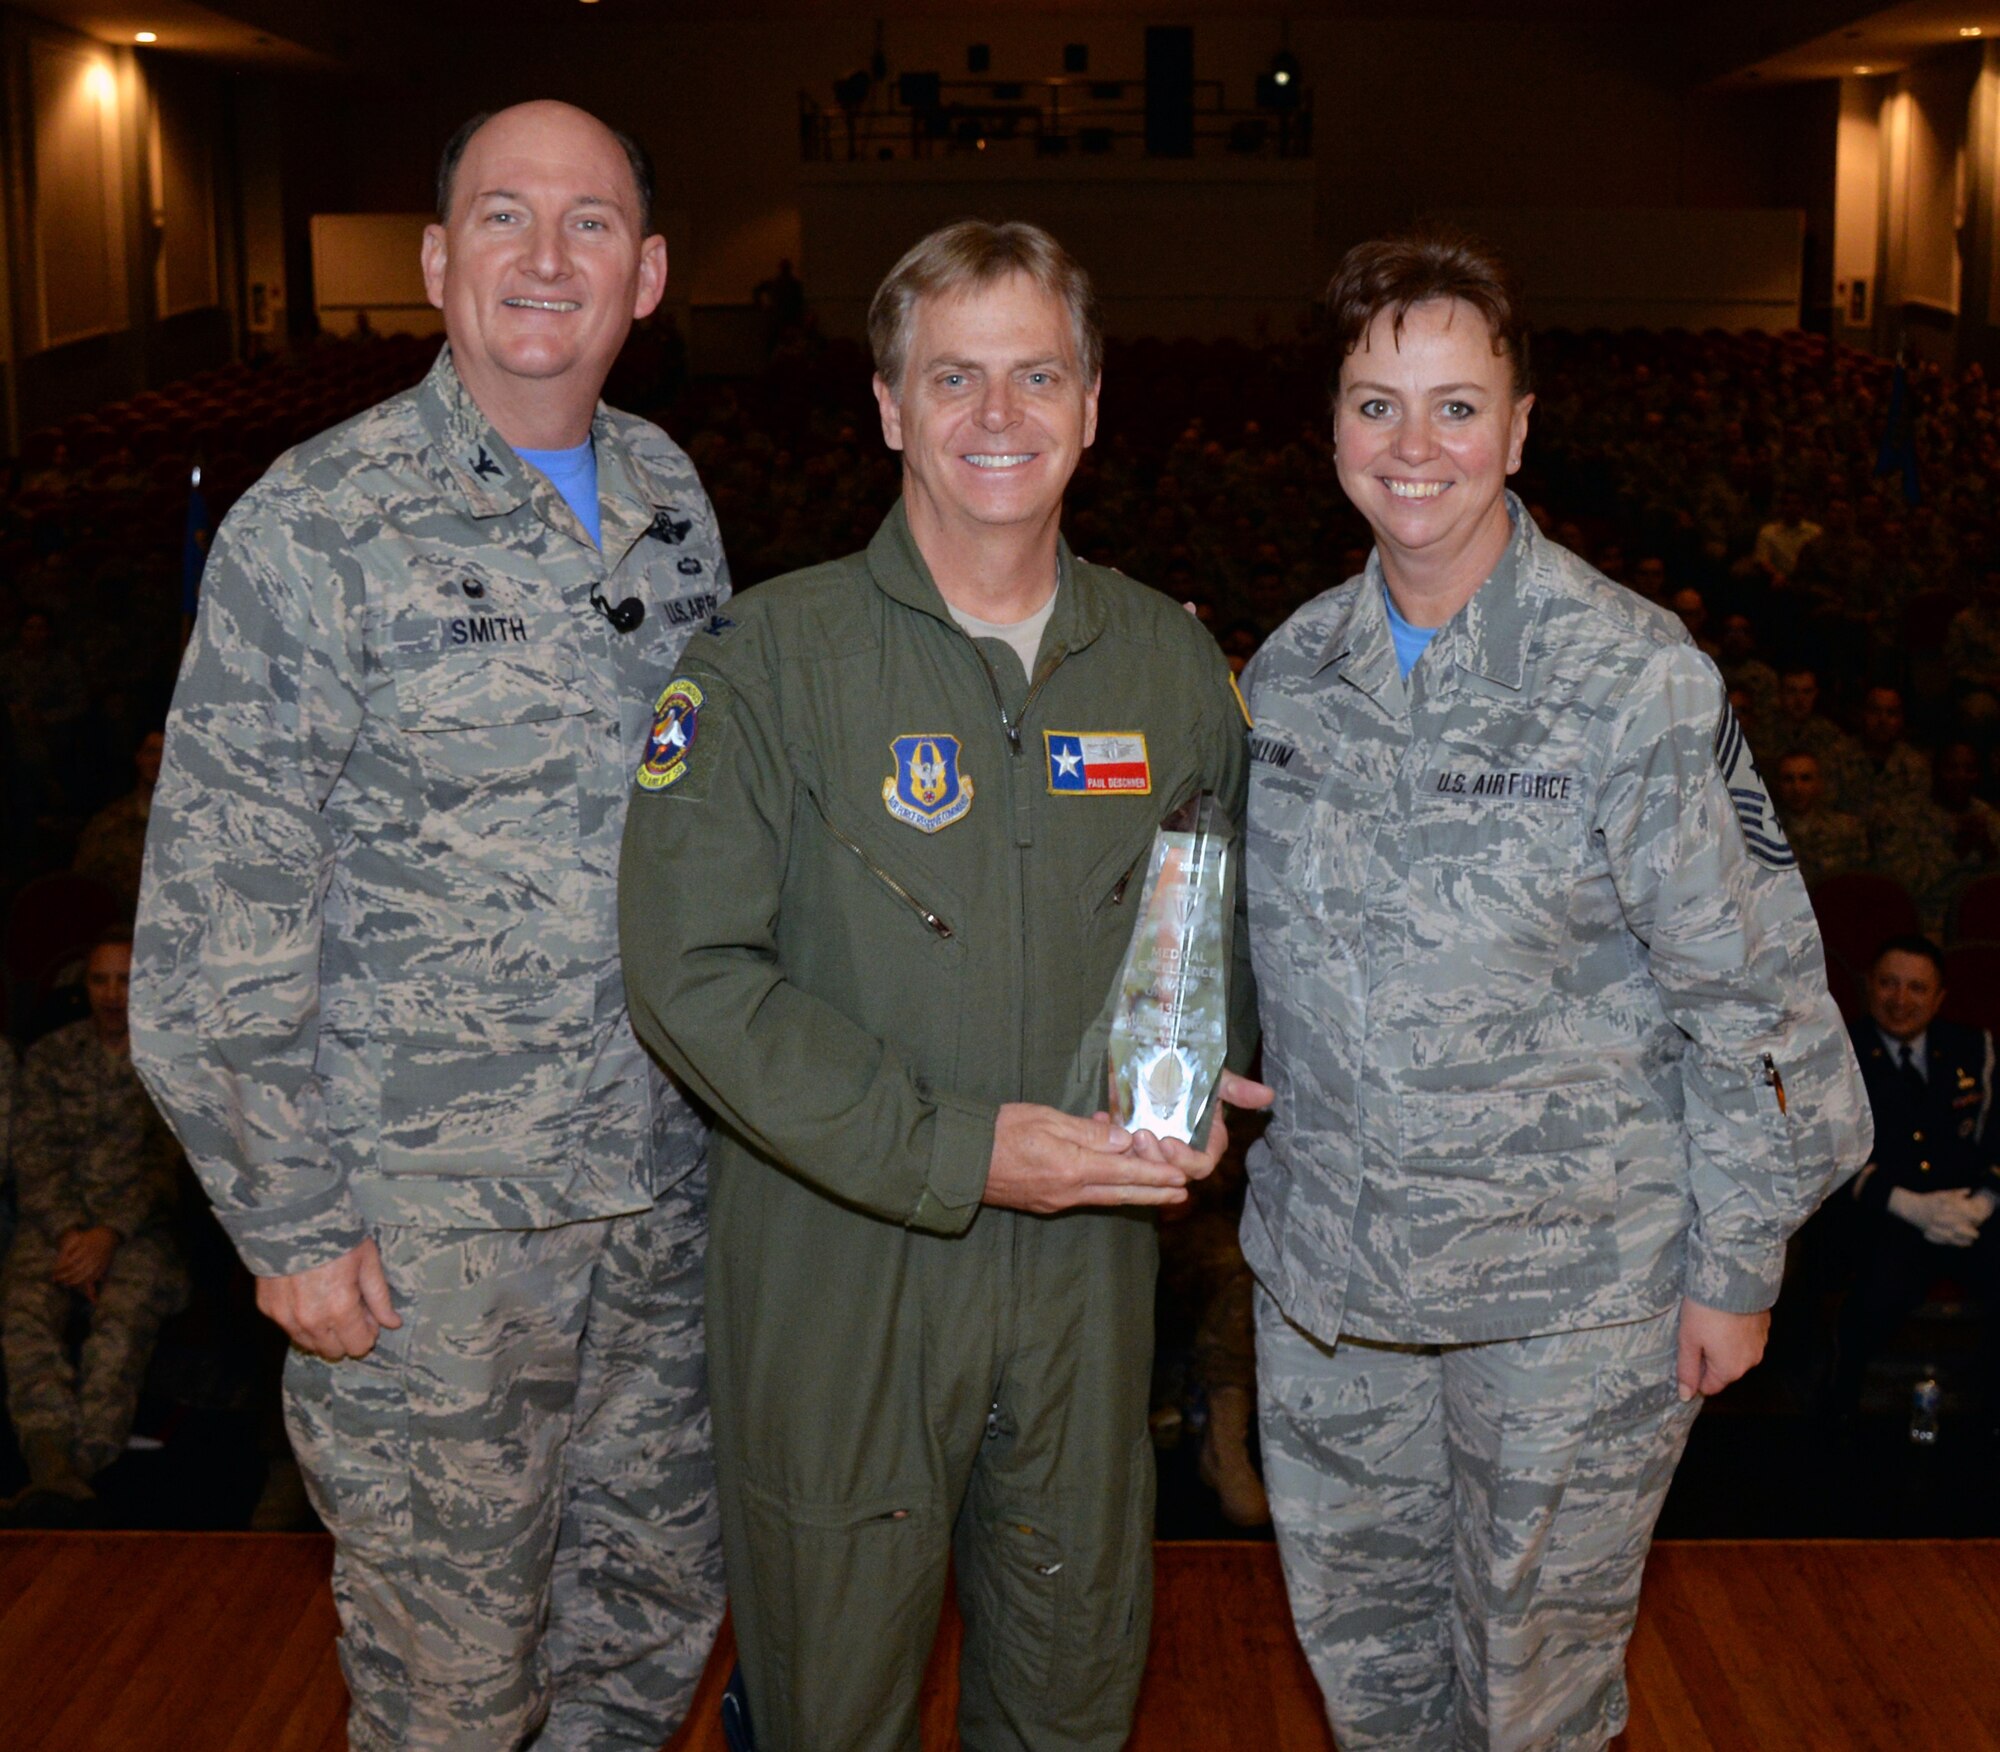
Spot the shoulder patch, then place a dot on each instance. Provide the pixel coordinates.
(927, 790)
(1762, 835)
(681, 747)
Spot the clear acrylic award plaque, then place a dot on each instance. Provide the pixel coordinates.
(1170, 1012)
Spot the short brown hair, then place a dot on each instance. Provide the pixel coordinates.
(1422, 266)
(968, 255)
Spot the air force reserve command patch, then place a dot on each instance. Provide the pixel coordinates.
(926, 790)
(676, 724)
(1759, 821)
(1086, 763)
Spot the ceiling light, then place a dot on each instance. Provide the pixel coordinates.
(1970, 30)
(1864, 71)
(146, 36)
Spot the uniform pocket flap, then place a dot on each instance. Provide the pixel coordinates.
(483, 687)
(1465, 1129)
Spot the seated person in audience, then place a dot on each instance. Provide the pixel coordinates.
(1881, 778)
(1940, 842)
(1826, 841)
(1972, 654)
(96, 1172)
(1798, 728)
(1693, 612)
(1742, 668)
(113, 842)
(1922, 1204)
(1649, 578)
(1781, 541)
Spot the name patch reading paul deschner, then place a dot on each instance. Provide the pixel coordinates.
(1762, 836)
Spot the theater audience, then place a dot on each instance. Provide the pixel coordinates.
(94, 1267)
(113, 842)
(1799, 728)
(1729, 477)
(1826, 841)
(1881, 777)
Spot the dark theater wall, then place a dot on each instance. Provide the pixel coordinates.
(1411, 115)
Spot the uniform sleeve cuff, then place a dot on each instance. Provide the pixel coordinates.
(961, 1155)
(1743, 1282)
(281, 1243)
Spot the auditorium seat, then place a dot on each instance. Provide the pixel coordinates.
(1855, 913)
(1972, 984)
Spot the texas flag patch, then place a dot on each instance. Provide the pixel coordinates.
(1099, 763)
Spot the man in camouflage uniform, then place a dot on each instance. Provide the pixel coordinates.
(379, 992)
(1537, 978)
(1825, 841)
(112, 846)
(1797, 727)
(1934, 844)
(1882, 778)
(96, 1172)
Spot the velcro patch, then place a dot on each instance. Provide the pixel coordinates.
(1762, 835)
(1098, 763)
(677, 718)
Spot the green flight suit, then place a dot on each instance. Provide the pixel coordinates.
(859, 915)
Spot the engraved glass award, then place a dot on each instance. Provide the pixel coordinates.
(1170, 1012)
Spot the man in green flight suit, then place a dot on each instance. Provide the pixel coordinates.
(878, 880)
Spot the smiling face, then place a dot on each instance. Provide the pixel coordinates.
(1905, 994)
(993, 412)
(1427, 429)
(544, 263)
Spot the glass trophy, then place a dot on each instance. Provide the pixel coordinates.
(1170, 1011)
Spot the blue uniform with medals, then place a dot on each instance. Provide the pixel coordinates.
(878, 882)
(1934, 1132)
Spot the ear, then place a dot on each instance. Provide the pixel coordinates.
(1517, 432)
(652, 277)
(892, 414)
(1090, 410)
(434, 252)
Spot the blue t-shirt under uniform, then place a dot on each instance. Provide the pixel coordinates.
(1409, 641)
(573, 473)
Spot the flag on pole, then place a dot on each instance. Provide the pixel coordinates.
(1898, 454)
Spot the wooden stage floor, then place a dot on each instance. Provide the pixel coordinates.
(221, 1642)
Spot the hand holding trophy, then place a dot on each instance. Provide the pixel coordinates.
(1170, 1015)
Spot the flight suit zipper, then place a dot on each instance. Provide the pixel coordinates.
(1012, 726)
(937, 925)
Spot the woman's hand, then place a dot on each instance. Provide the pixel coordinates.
(1718, 1348)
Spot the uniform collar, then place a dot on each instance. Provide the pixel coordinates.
(901, 572)
(1491, 636)
(493, 481)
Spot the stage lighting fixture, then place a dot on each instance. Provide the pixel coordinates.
(978, 57)
(146, 36)
(1076, 57)
(1970, 30)
(1281, 89)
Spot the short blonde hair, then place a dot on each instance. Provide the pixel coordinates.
(968, 255)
